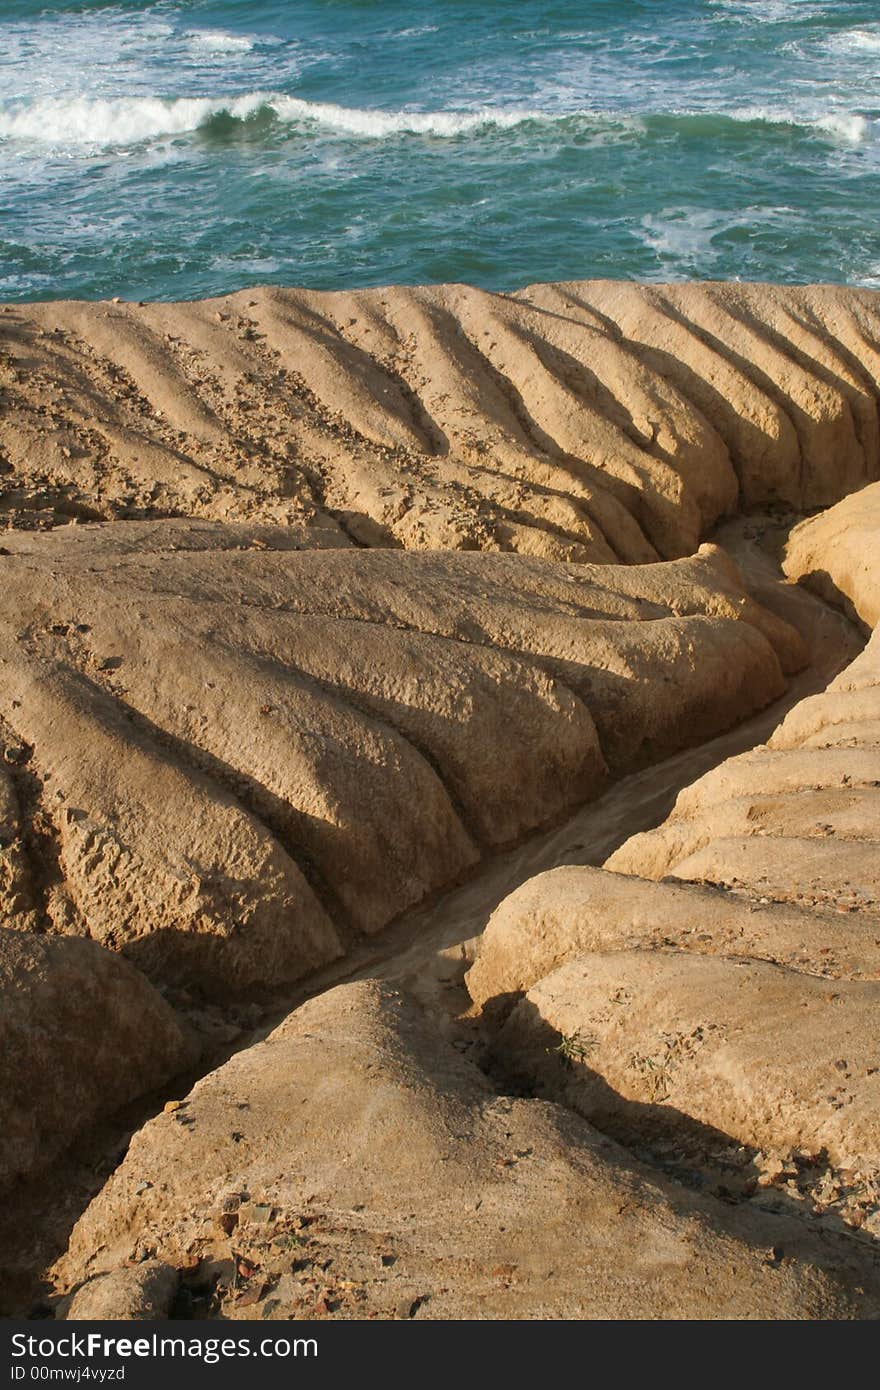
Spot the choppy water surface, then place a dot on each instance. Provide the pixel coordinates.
(190, 147)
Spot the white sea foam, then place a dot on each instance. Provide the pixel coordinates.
(683, 235)
(773, 11)
(846, 125)
(129, 120)
(251, 265)
(688, 237)
(216, 41)
(856, 41)
(382, 124)
(417, 32)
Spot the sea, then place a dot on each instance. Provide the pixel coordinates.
(185, 148)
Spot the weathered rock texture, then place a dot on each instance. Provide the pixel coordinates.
(593, 421)
(570, 912)
(275, 699)
(354, 1164)
(229, 757)
(81, 1033)
(654, 1041)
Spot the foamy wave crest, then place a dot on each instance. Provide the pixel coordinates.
(126, 121)
(117, 121)
(773, 11)
(856, 41)
(417, 32)
(130, 120)
(378, 125)
(840, 125)
(847, 126)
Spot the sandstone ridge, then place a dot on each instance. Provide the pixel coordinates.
(584, 421)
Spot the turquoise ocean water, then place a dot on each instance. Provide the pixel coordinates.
(190, 147)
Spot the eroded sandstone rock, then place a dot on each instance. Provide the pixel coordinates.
(836, 553)
(240, 757)
(817, 781)
(587, 421)
(721, 1020)
(144, 1293)
(653, 1043)
(568, 912)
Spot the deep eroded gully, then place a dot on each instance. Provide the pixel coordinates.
(427, 951)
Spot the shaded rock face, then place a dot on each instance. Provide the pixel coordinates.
(238, 757)
(81, 1033)
(281, 1161)
(142, 1294)
(836, 553)
(592, 421)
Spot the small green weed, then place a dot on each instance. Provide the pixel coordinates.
(574, 1047)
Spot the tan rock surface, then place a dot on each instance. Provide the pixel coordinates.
(847, 713)
(797, 814)
(828, 874)
(81, 1034)
(594, 421)
(240, 756)
(695, 1020)
(354, 1164)
(798, 819)
(570, 911)
(275, 699)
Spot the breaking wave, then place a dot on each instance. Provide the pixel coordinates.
(126, 121)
